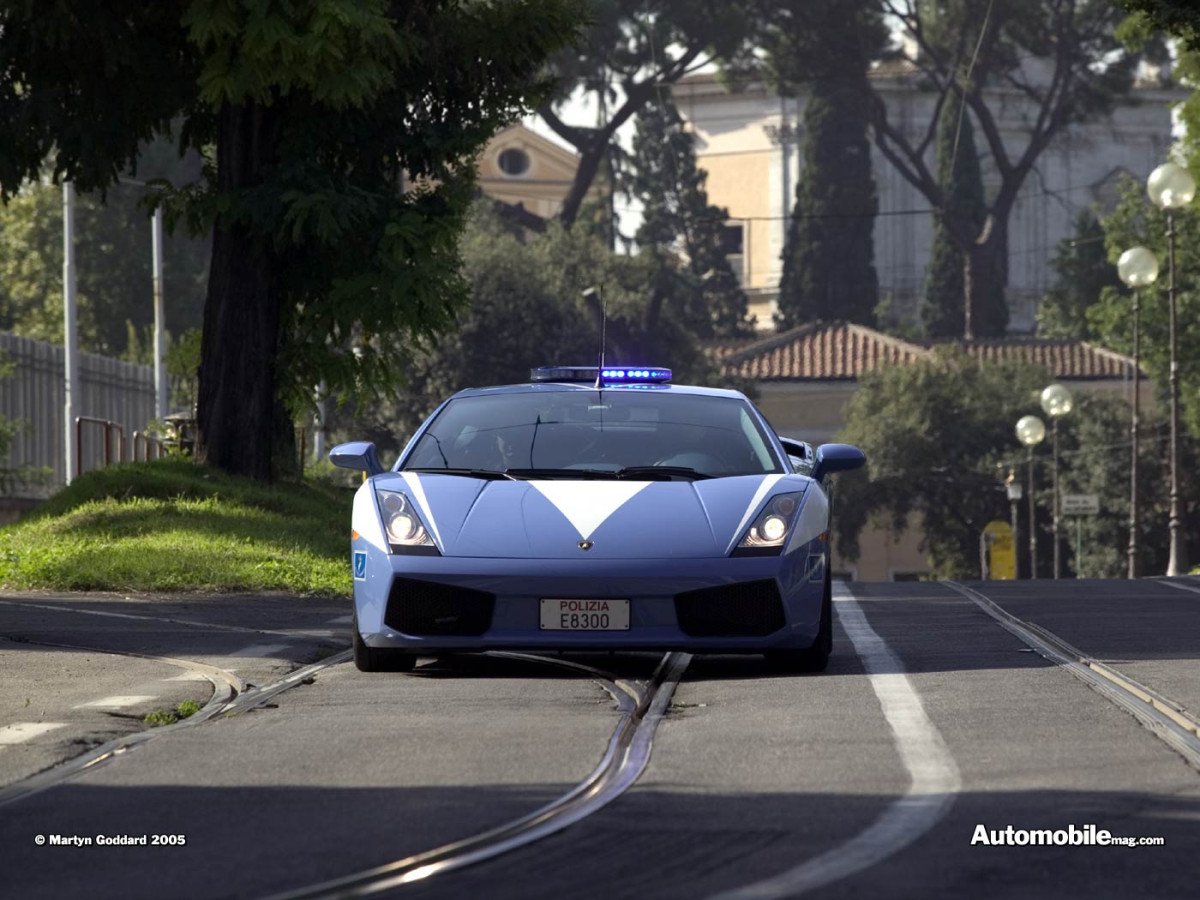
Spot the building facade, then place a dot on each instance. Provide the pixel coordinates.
(521, 168)
(749, 143)
(806, 376)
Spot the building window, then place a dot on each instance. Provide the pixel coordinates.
(731, 239)
(513, 162)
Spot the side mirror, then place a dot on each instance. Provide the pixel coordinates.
(837, 458)
(357, 455)
(800, 454)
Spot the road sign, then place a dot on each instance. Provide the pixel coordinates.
(1080, 504)
(1001, 555)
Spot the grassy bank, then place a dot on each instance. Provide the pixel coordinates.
(171, 525)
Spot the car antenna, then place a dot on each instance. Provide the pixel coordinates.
(603, 323)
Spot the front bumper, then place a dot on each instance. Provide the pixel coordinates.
(518, 585)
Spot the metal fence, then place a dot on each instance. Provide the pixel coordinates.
(113, 390)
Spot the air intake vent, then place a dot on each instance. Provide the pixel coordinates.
(746, 609)
(423, 608)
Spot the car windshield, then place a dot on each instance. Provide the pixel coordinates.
(544, 432)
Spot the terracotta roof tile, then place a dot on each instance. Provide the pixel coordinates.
(822, 352)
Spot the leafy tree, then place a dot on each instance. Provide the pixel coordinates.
(959, 176)
(1063, 58)
(527, 309)
(939, 438)
(1136, 222)
(829, 259)
(628, 59)
(1082, 272)
(1181, 19)
(681, 232)
(113, 263)
(335, 191)
(826, 48)
(1095, 459)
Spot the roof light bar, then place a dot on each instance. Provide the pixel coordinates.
(563, 373)
(607, 375)
(626, 375)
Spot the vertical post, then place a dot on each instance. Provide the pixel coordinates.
(1133, 432)
(1054, 521)
(74, 390)
(319, 425)
(160, 334)
(1177, 563)
(1016, 553)
(785, 155)
(1032, 522)
(1078, 546)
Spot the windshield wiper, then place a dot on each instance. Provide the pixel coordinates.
(667, 472)
(487, 474)
(560, 473)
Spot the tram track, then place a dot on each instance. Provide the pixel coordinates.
(1163, 717)
(230, 695)
(642, 708)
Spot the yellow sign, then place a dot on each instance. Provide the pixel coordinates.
(1002, 556)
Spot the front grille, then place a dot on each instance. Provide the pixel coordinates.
(745, 609)
(429, 608)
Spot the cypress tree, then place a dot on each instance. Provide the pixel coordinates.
(961, 181)
(681, 231)
(829, 260)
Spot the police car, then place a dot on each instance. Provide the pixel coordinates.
(594, 508)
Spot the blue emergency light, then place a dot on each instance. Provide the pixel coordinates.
(607, 375)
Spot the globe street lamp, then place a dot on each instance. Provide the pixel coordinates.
(1031, 432)
(1137, 267)
(1171, 187)
(1056, 402)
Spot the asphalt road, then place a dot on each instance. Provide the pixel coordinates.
(869, 780)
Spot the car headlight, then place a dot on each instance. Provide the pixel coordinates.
(402, 524)
(769, 531)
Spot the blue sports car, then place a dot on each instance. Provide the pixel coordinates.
(594, 509)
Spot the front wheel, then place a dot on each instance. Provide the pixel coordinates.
(373, 659)
(816, 657)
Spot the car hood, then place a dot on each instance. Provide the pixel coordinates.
(620, 519)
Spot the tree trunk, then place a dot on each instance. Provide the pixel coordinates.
(985, 270)
(237, 403)
(590, 159)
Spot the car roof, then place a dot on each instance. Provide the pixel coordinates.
(566, 386)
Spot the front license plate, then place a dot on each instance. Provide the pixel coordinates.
(585, 615)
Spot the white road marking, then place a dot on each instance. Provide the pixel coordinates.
(935, 778)
(1178, 585)
(25, 731)
(118, 701)
(340, 620)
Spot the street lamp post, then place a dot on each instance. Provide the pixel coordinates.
(1137, 268)
(1172, 187)
(1056, 402)
(1012, 487)
(1031, 432)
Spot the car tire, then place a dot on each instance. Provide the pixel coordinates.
(373, 659)
(816, 657)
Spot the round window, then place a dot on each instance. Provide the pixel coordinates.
(513, 161)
